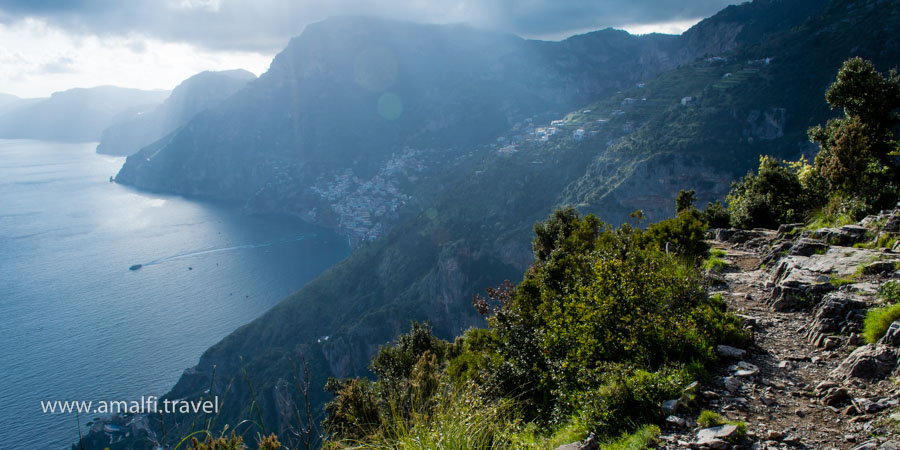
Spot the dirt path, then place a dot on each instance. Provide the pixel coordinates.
(780, 403)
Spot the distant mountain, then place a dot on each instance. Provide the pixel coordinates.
(355, 98)
(76, 115)
(196, 94)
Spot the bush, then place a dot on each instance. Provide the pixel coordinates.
(628, 399)
(682, 235)
(769, 198)
(716, 215)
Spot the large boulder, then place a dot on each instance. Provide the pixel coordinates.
(839, 312)
(870, 362)
(808, 247)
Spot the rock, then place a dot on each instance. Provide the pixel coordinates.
(808, 247)
(690, 393)
(868, 445)
(785, 365)
(716, 444)
(870, 362)
(773, 435)
(720, 432)
(879, 267)
(743, 369)
(776, 252)
(835, 396)
(676, 421)
(823, 387)
(591, 443)
(766, 400)
(670, 406)
(710, 395)
(890, 445)
(831, 343)
(892, 336)
(732, 384)
(727, 351)
(791, 440)
(787, 230)
(837, 310)
(892, 225)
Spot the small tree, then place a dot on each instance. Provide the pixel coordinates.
(685, 200)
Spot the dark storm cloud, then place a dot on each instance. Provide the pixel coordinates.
(266, 25)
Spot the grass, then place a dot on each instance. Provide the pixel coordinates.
(643, 437)
(459, 420)
(709, 419)
(715, 263)
(823, 220)
(878, 320)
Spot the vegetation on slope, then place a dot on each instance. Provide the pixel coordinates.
(605, 326)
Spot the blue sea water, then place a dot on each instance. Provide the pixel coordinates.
(77, 324)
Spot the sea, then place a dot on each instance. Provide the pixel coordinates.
(77, 324)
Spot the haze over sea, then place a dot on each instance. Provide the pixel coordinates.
(77, 324)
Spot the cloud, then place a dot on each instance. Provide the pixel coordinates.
(267, 25)
(62, 64)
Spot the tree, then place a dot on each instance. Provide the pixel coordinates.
(685, 200)
(856, 150)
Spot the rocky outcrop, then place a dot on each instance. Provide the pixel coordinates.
(869, 362)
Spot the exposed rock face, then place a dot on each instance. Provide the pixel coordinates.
(808, 247)
(839, 312)
(869, 362)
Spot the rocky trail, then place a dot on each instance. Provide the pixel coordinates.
(808, 380)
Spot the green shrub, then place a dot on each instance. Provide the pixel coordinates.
(716, 215)
(682, 235)
(642, 438)
(768, 198)
(628, 399)
(878, 320)
(709, 419)
(890, 291)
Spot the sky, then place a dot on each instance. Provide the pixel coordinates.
(53, 45)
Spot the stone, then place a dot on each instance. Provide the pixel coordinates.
(869, 362)
(710, 395)
(879, 267)
(890, 445)
(791, 440)
(831, 343)
(808, 247)
(716, 444)
(835, 396)
(868, 445)
(773, 435)
(836, 311)
(727, 351)
(670, 406)
(676, 421)
(732, 384)
(785, 365)
(720, 432)
(743, 369)
(786, 229)
(892, 336)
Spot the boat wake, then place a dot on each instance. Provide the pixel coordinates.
(191, 254)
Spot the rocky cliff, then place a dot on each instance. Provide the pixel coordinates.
(194, 95)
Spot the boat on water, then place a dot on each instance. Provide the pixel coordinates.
(136, 267)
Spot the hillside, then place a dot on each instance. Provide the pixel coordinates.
(194, 95)
(75, 115)
(358, 117)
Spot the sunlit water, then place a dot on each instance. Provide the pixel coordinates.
(77, 324)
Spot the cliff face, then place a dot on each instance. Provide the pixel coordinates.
(192, 96)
